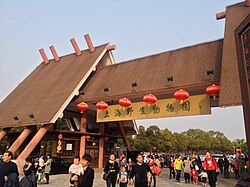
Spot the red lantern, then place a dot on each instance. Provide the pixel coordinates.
(154, 148)
(82, 106)
(102, 105)
(87, 137)
(106, 139)
(60, 136)
(149, 99)
(213, 91)
(181, 95)
(124, 102)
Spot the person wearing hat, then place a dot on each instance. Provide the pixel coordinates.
(87, 178)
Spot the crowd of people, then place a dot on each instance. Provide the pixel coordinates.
(143, 172)
(140, 172)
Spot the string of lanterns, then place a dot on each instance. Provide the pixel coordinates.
(180, 95)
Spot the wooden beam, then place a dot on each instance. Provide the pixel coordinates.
(124, 137)
(33, 143)
(101, 146)
(221, 15)
(4, 132)
(21, 138)
(83, 129)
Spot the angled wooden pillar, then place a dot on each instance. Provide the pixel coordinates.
(4, 132)
(101, 146)
(83, 128)
(124, 137)
(19, 141)
(33, 143)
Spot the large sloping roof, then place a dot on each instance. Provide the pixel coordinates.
(48, 89)
(230, 93)
(187, 66)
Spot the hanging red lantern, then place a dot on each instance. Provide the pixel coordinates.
(154, 148)
(149, 99)
(106, 139)
(87, 137)
(102, 105)
(60, 136)
(181, 95)
(124, 102)
(213, 91)
(82, 106)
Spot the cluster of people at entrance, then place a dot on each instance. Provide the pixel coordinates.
(144, 172)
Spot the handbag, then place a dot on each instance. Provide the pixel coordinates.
(105, 176)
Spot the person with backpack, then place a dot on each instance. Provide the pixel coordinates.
(211, 166)
(152, 164)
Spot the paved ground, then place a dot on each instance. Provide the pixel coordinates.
(162, 181)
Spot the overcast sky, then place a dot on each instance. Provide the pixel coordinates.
(138, 28)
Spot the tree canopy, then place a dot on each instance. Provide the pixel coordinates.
(192, 140)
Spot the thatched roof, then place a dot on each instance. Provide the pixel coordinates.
(188, 66)
(48, 89)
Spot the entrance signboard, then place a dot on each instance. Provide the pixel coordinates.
(194, 105)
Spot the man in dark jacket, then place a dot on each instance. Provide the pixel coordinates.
(141, 172)
(86, 180)
(7, 168)
(226, 166)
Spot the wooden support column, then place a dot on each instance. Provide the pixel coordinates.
(33, 143)
(124, 137)
(243, 63)
(19, 141)
(83, 129)
(101, 146)
(4, 132)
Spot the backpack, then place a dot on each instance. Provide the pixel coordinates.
(156, 170)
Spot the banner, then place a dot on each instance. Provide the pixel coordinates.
(194, 105)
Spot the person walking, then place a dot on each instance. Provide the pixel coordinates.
(226, 167)
(87, 178)
(151, 164)
(242, 163)
(141, 172)
(9, 172)
(171, 167)
(211, 167)
(187, 165)
(47, 168)
(178, 167)
(123, 177)
(29, 171)
(235, 165)
(112, 170)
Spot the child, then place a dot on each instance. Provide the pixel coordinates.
(194, 174)
(75, 169)
(123, 177)
(203, 175)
